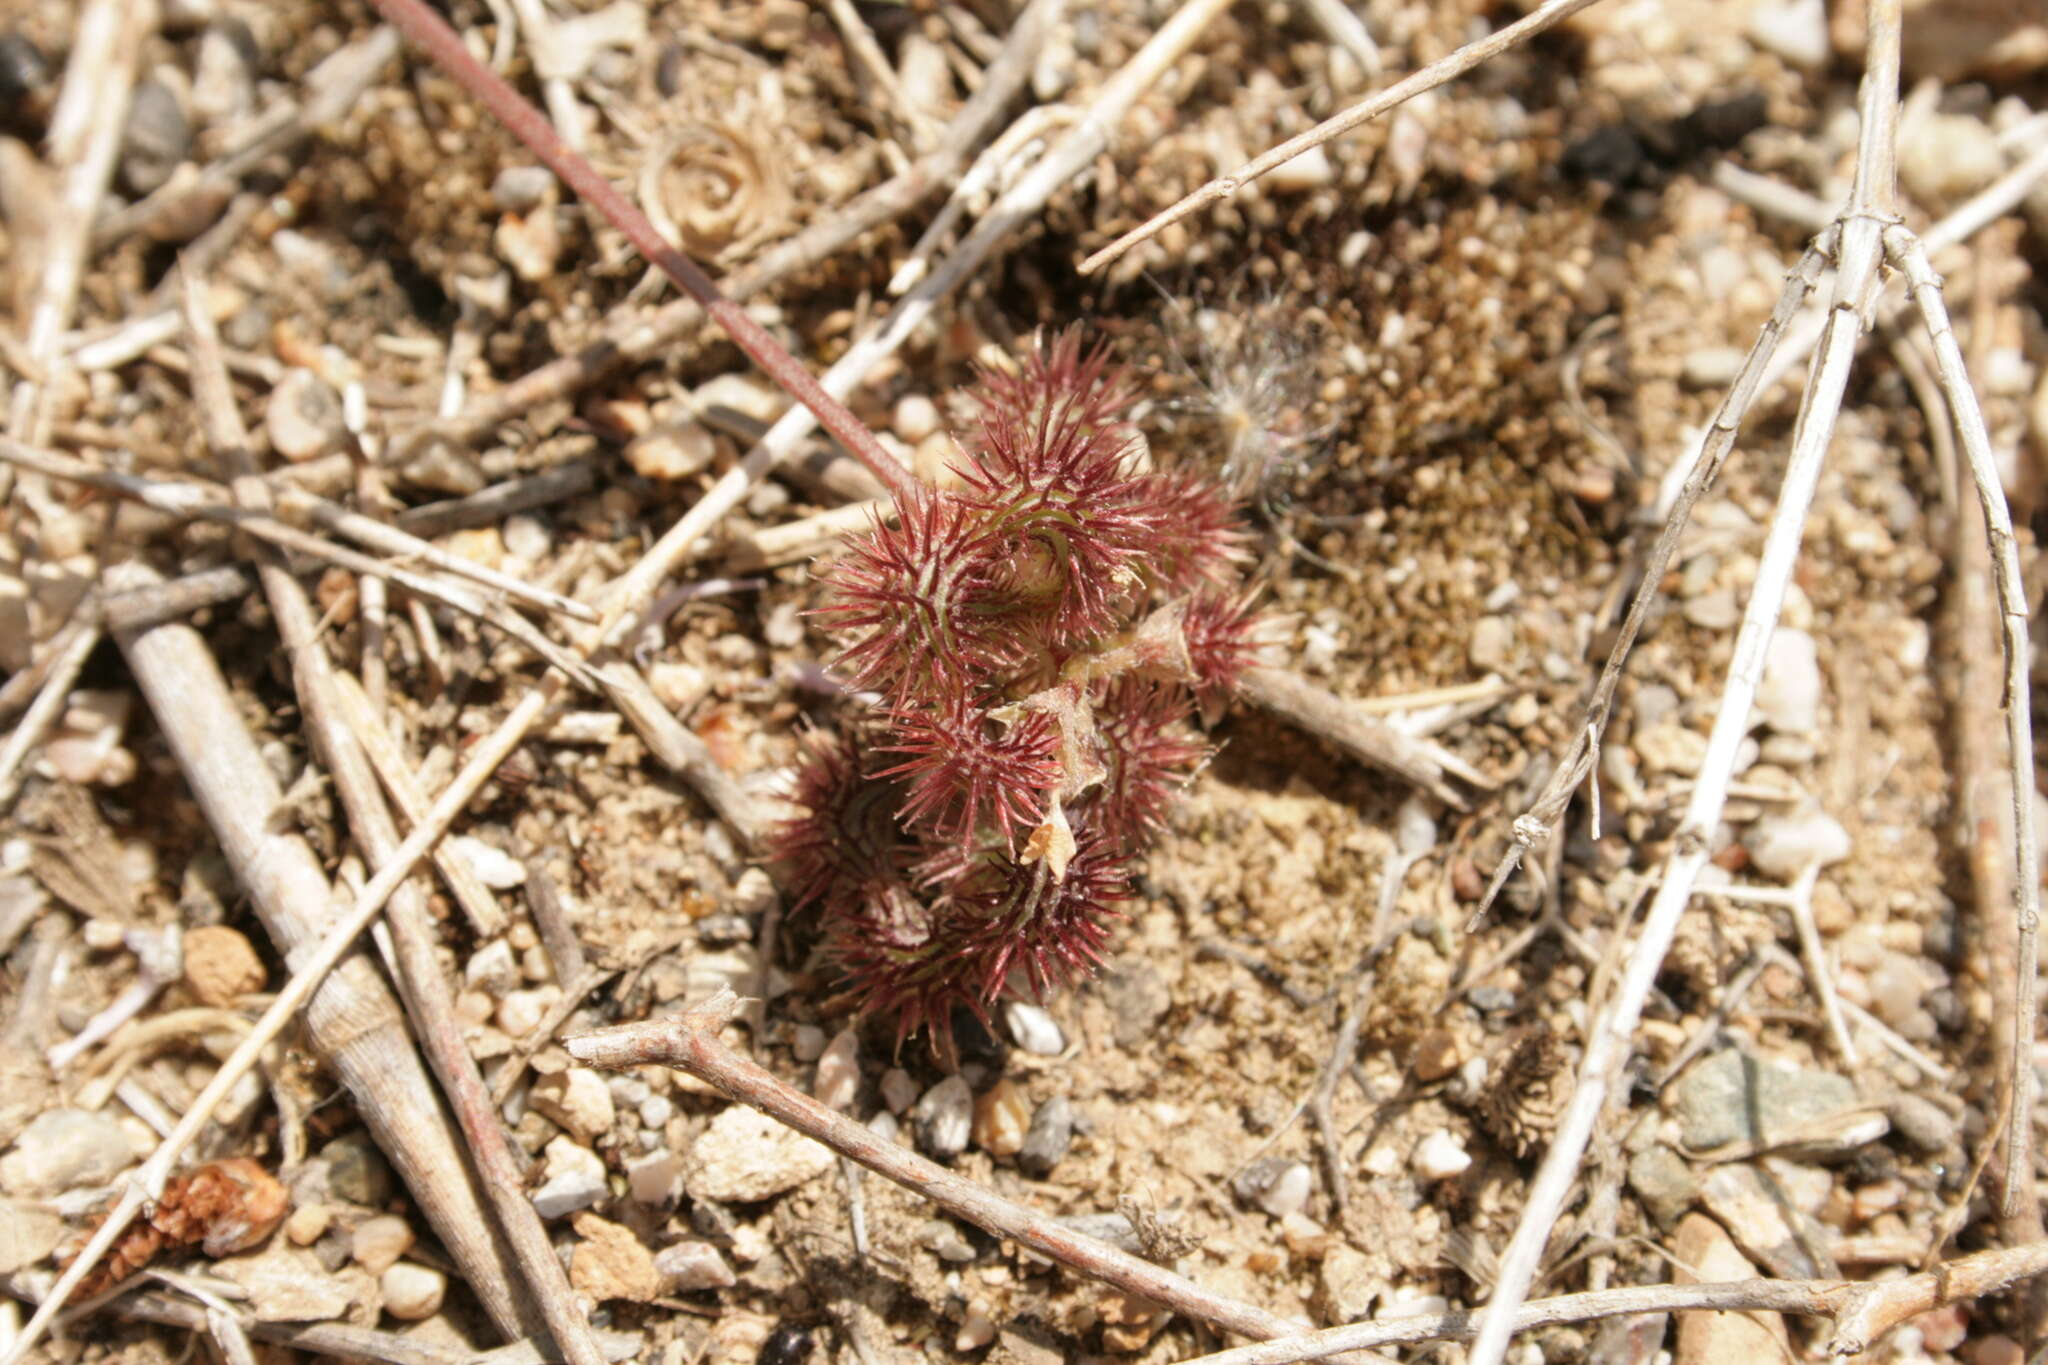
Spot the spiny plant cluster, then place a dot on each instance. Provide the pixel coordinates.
(1041, 635)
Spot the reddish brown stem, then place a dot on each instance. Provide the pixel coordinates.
(530, 126)
(689, 1042)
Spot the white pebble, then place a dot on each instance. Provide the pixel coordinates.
(977, 1331)
(1945, 157)
(527, 538)
(492, 968)
(578, 1099)
(838, 1079)
(808, 1043)
(521, 1012)
(1898, 988)
(746, 1156)
(684, 1266)
(1287, 1192)
(673, 450)
(1310, 170)
(493, 866)
(1034, 1029)
(915, 418)
(1782, 846)
(1797, 31)
(945, 1118)
(656, 1111)
(1439, 1157)
(574, 1180)
(1789, 697)
(412, 1292)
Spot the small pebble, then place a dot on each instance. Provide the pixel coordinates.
(493, 866)
(378, 1242)
(1898, 988)
(1670, 748)
(1033, 1029)
(977, 1331)
(899, 1091)
(521, 1012)
(303, 417)
(672, 450)
(1924, 1125)
(611, 1262)
(1994, 1349)
(1001, 1117)
(156, 137)
(944, 1119)
(1278, 1185)
(1789, 697)
(574, 1179)
(308, 1223)
(531, 243)
(64, 1149)
(492, 968)
(1782, 846)
(520, 189)
(746, 1156)
(687, 1266)
(808, 1043)
(1437, 1054)
(1051, 1133)
(655, 1179)
(838, 1078)
(1947, 157)
(578, 1099)
(412, 1292)
(655, 1112)
(753, 893)
(1311, 170)
(1797, 31)
(1493, 643)
(1439, 1157)
(357, 1171)
(221, 965)
(915, 418)
(526, 538)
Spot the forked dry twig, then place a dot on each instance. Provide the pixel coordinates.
(1867, 233)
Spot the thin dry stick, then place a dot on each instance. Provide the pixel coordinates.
(146, 607)
(85, 141)
(1860, 249)
(689, 1042)
(66, 662)
(490, 506)
(1430, 77)
(860, 40)
(485, 915)
(1580, 755)
(195, 500)
(354, 1020)
(1301, 703)
(1864, 1311)
(630, 339)
(378, 535)
(526, 123)
(1903, 252)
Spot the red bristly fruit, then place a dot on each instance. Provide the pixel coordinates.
(1040, 636)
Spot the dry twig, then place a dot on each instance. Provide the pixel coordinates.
(690, 1043)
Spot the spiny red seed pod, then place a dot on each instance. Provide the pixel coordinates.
(919, 602)
(1085, 601)
(1147, 753)
(968, 771)
(847, 846)
(1222, 633)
